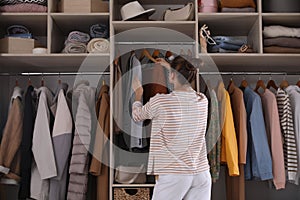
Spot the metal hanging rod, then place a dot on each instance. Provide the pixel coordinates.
(155, 43)
(56, 73)
(249, 73)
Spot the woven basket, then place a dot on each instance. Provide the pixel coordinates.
(132, 194)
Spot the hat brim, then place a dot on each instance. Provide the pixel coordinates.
(149, 12)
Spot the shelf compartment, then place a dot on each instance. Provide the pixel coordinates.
(63, 23)
(35, 22)
(159, 5)
(234, 24)
(183, 27)
(54, 62)
(252, 62)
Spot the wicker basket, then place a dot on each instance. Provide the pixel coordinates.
(131, 193)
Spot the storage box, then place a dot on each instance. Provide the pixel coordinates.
(83, 6)
(132, 194)
(16, 45)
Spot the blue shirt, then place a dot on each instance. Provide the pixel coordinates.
(258, 160)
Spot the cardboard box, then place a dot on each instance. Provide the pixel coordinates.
(83, 6)
(16, 45)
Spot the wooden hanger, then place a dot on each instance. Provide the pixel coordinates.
(271, 83)
(29, 80)
(298, 83)
(42, 81)
(230, 82)
(244, 83)
(155, 53)
(145, 53)
(17, 82)
(260, 84)
(284, 83)
(189, 53)
(59, 79)
(168, 54)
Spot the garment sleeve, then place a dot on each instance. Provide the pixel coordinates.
(42, 142)
(11, 140)
(148, 111)
(277, 149)
(229, 143)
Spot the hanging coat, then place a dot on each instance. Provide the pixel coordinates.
(100, 161)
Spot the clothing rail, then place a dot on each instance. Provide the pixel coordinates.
(155, 43)
(249, 73)
(54, 73)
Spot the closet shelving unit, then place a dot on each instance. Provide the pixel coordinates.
(52, 28)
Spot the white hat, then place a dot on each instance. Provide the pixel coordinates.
(134, 9)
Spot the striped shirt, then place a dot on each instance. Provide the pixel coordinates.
(179, 121)
(287, 129)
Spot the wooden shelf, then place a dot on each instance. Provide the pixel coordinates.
(133, 185)
(252, 62)
(181, 27)
(54, 62)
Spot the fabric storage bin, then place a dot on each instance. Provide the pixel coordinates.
(83, 6)
(132, 194)
(281, 6)
(16, 45)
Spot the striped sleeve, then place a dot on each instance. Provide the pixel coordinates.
(148, 111)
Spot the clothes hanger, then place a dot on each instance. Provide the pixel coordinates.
(145, 53)
(284, 83)
(271, 83)
(182, 53)
(59, 79)
(29, 80)
(155, 53)
(260, 84)
(42, 81)
(17, 82)
(103, 82)
(189, 53)
(298, 83)
(231, 81)
(244, 83)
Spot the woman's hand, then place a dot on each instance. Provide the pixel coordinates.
(163, 63)
(138, 89)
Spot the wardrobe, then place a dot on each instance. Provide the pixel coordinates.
(179, 37)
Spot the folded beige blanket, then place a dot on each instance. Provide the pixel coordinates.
(98, 45)
(74, 47)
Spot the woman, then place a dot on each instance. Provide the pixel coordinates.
(177, 147)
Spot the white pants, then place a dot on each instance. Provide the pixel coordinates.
(187, 187)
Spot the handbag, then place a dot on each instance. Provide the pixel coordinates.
(130, 174)
(185, 13)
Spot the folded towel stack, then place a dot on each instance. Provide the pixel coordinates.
(99, 31)
(237, 5)
(18, 31)
(23, 5)
(76, 42)
(228, 44)
(79, 42)
(281, 39)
